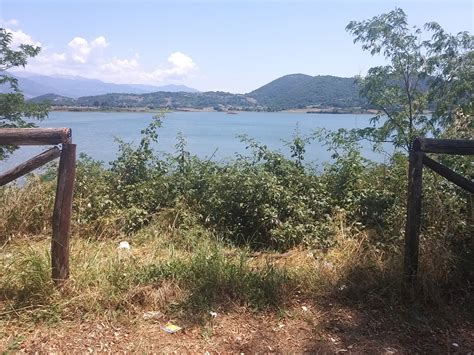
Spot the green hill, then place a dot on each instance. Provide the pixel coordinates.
(172, 100)
(301, 91)
(53, 99)
(288, 92)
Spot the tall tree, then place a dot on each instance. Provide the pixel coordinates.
(418, 76)
(15, 112)
(451, 65)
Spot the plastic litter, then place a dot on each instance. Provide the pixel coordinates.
(213, 314)
(171, 328)
(124, 245)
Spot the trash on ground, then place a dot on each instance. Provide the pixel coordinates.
(213, 314)
(124, 245)
(151, 315)
(171, 328)
(304, 308)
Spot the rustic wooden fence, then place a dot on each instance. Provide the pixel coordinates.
(61, 223)
(417, 160)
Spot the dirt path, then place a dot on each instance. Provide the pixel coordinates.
(303, 328)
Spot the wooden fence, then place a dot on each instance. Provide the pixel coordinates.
(61, 223)
(417, 160)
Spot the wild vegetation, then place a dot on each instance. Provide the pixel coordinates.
(261, 231)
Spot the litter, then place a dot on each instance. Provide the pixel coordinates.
(124, 245)
(304, 308)
(213, 314)
(171, 328)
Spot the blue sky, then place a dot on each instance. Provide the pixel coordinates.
(224, 45)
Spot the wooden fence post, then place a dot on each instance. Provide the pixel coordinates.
(29, 165)
(413, 222)
(62, 214)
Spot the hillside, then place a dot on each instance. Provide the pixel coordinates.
(300, 91)
(55, 100)
(295, 91)
(167, 99)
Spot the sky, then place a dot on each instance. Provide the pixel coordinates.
(234, 46)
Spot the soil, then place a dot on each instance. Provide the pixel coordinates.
(302, 328)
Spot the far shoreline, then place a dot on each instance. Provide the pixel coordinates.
(328, 110)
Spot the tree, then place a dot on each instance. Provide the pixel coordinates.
(419, 76)
(451, 65)
(14, 110)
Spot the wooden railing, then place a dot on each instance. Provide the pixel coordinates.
(417, 159)
(61, 222)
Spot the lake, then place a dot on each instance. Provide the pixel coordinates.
(208, 134)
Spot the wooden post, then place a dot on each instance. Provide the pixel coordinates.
(29, 165)
(445, 146)
(413, 222)
(62, 214)
(34, 136)
(450, 175)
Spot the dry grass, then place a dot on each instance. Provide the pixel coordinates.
(185, 272)
(26, 211)
(161, 271)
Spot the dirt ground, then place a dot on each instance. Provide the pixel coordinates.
(309, 328)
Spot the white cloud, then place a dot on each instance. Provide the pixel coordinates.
(119, 65)
(81, 48)
(88, 59)
(182, 64)
(99, 42)
(179, 67)
(10, 23)
(20, 37)
(52, 58)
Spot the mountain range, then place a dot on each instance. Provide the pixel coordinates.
(294, 91)
(34, 85)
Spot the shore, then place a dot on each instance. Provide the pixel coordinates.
(328, 110)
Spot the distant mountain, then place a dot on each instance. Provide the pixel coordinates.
(34, 88)
(75, 86)
(295, 91)
(301, 91)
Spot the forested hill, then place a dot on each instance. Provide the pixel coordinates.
(300, 91)
(295, 91)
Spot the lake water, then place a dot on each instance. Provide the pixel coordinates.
(208, 134)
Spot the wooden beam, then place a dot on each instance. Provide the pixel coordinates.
(34, 136)
(62, 214)
(413, 222)
(29, 165)
(444, 171)
(444, 146)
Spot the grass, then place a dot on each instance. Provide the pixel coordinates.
(182, 269)
(162, 272)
